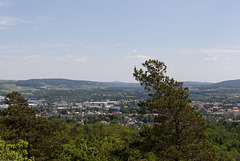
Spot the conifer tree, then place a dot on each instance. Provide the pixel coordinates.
(18, 122)
(179, 131)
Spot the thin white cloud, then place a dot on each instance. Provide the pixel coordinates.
(33, 57)
(76, 59)
(53, 45)
(10, 21)
(82, 60)
(4, 28)
(228, 58)
(135, 51)
(212, 58)
(8, 46)
(9, 57)
(139, 57)
(215, 51)
(217, 55)
(27, 58)
(69, 56)
(118, 44)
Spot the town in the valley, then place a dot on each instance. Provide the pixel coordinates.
(122, 112)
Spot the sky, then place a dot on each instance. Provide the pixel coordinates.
(103, 40)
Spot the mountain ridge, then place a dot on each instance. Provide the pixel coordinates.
(69, 83)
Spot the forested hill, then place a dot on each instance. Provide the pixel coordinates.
(223, 84)
(38, 83)
(196, 84)
(206, 85)
(67, 83)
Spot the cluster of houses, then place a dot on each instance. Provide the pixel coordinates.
(93, 108)
(86, 105)
(82, 109)
(70, 110)
(218, 107)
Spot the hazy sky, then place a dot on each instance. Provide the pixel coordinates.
(102, 40)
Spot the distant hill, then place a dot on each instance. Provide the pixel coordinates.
(224, 84)
(32, 84)
(196, 84)
(38, 83)
(229, 83)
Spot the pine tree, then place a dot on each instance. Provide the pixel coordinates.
(179, 131)
(18, 122)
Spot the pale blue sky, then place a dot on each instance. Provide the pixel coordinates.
(102, 40)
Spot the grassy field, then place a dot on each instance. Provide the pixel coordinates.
(7, 88)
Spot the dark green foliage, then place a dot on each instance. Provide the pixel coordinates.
(102, 142)
(85, 148)
(19, 122)
(15, 99)
(18, 118)
(225, 136)
(179, 131)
